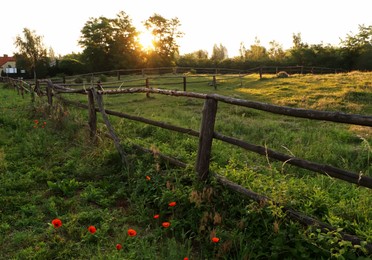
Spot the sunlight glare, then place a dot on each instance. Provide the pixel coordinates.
(146, 39)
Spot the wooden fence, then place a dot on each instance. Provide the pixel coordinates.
(207, 133)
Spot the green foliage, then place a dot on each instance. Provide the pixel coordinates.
(32, 52)
(110, 43)
(165, 32)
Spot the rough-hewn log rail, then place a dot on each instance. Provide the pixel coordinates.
(301, 218)
(281, 110)
(327, 170)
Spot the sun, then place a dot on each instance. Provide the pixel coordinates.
(146, 39)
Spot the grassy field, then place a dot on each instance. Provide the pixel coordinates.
(52, 171)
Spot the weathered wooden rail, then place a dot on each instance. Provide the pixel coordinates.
(207, 134)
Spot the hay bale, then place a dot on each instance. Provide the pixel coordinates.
(282, 74)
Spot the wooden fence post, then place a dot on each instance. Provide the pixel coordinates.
(118, 74)
(49, 93)
(92, 116)
(214, 82)
(32, 91)
(22, 90)
(206, 138)
(147, 86)
(184, 83)
(260, 71)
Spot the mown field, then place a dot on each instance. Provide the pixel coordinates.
(56, 172)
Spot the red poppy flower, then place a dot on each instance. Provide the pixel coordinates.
(132, 232)
(148, 177)
(172, 204)
(92, 229)
(57, 223)
(215, 239)
(118, 246)
(166, 224)
(36, 121)
(44, 123)
(156, 216)
(186, 258)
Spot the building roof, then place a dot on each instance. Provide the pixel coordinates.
(6, 59)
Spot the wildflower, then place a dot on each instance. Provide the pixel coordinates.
(172, 204)
(132, 232)
(92, 229)
(44, 123)
(166, 224)
(186, 258)
(118, 247)
(148, 177)
(36, 121)
(215, 239)
(156, 216)
(57, 223)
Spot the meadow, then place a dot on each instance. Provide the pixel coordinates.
(51, 170)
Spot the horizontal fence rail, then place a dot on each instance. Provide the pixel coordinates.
(341, 174)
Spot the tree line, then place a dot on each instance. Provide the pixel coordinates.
(114, 43)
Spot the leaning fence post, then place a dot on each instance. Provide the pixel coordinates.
(92, 117)
(184, 83)
(206, 138)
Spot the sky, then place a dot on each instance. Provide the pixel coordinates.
(204, 22)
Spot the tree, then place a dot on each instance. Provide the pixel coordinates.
(110, 43)
(256, 52)
(219, 53)
(357, 49)
(242, 51)
(276, 52)
(166, 33)
(300, 51)
(32, 52)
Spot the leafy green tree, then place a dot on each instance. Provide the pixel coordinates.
(166, 32)
(197, 58)
(219, 53)
(357, 49)
(110, 43)
(31, 53)
(276, 52)
(256, 52)
(299, 50)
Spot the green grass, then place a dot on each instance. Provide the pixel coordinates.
(55, 171)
